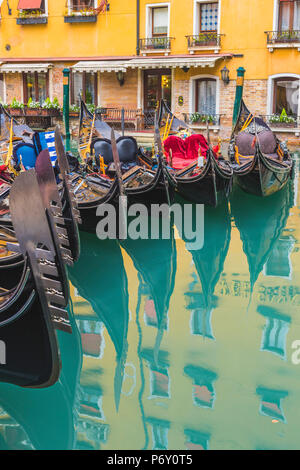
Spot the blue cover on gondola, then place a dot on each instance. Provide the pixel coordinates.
(47, 141)
(26, 153)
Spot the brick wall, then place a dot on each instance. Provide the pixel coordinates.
(14, 86)
(114, 95)
(56, 83)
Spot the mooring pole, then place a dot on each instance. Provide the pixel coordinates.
(238, 93)
(66, 112)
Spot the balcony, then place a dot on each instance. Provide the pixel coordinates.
(204, 41)
(78, 18)
(32, 17)
(156, 45)
(283, 39)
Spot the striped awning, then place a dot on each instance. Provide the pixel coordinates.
(27, 68)
(147, 63)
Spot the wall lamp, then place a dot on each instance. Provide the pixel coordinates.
(225, 75)
(120, 77)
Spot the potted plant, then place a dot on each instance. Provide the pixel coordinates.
(16, 108)
(32, 108)
(74, 110)
(86, 15)
(51, 108)
(31, 17)
(282, 120)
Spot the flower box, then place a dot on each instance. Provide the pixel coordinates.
(16, 111)
(80, 19)
(33, 20)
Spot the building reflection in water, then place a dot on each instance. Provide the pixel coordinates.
(203, 359)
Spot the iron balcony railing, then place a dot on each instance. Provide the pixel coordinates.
(163, 43)
(204, 39)
(283, 37)
(202, 119)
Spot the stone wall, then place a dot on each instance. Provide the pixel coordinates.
(115, 96)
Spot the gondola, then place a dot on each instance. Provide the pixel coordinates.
(198, 172)
(88, 191)
(61, 214)
(100, 278)
(261, 163)
(32, 309)
(260, 223)
(142, 177)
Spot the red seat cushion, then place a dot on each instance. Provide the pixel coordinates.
(192, 145)
(185, 152)
(180, 163)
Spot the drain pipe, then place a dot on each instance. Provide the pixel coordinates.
(137, 27)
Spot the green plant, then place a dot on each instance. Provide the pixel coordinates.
(74, 108)
(29, 13)
(283, 118)
(33, 104)
(196, 117)
(48, 104)
(91, 107)
(15, 104)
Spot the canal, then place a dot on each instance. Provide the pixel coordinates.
(176, 348)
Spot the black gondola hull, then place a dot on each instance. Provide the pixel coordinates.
(262, 180)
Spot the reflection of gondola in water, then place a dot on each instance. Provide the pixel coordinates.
(100, 278)
(155, 261)
(260, 223)
(209, 260)
(48, 417)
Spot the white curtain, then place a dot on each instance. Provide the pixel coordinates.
(160, 20)
(206, 97)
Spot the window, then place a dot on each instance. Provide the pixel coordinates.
(279, 262)
(160, 21)
(270, 402)
(286, 96)
(203, 387)
(209, 14)
(84, 84)
(205, 99)
(80, 5)
(289, 15)
(36, 86)
(201, 323)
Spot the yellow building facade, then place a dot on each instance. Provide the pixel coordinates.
(131, 54)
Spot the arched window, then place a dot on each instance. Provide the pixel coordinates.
(205, 96)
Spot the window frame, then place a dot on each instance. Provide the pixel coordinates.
(149, 19)
(72, 94)
(71, 8)
(291, 18)
(36, 85)
(271, 91)
(197, 19)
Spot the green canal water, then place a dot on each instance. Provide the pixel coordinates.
(175, 348)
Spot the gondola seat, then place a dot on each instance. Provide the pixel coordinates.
(245, 143)
(26, 154)
(185, 152)
(127, 149)
(102, 147)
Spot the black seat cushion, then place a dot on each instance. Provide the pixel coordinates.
(102, 147)
(127, 148)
